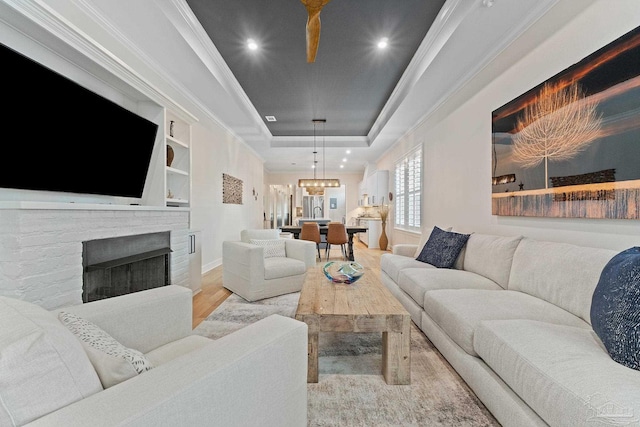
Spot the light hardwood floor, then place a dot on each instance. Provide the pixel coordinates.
(213, 293)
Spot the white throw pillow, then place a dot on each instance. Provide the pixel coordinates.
(272, 247)
(42, 365)
(112, 361)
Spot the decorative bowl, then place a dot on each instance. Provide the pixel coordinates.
(347, 272)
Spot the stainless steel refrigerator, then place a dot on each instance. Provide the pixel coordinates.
(313, 206)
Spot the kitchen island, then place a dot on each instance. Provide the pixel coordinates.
(321, 221)
(372, 237)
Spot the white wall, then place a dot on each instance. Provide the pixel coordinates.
(216, 151)
(456, 139)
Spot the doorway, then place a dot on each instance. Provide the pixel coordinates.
(280, 206)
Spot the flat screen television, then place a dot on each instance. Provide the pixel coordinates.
(60, 136)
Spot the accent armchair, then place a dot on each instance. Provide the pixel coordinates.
(256, 376)
(261, 265)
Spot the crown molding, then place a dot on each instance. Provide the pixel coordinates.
(506, 39)
(542, 7)
(329, 141)
(97, 17)
(44, 17)
(188, 26)
(449, 18)
(39, 16)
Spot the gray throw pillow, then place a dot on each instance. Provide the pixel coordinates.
(615, 308)
(442, 248)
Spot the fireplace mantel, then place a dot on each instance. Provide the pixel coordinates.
(85, 206)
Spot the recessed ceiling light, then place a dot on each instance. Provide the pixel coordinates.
(251, 44)
(383, 43)
(270, 118)
(341, 166)
(348, 151)
(344, 160)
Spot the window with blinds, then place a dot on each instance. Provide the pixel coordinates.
(408, 182)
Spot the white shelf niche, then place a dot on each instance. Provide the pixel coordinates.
(177, 174)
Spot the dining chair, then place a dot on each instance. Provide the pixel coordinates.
(337, 235)
(311, 231)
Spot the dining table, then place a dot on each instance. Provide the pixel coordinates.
(351, 230)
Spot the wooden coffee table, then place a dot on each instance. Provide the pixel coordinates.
(365, 306)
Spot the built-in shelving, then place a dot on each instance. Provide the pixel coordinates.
(178, 170)
(171, 170)
(172, 141)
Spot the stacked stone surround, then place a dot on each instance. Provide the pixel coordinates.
(41, 245)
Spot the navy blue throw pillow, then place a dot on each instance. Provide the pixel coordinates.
(615, 308)
(442, 248)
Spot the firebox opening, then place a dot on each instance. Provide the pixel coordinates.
(121, 265)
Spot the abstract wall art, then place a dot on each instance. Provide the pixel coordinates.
(570, 147)
(231, 189)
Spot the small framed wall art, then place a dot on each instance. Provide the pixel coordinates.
(231, 190)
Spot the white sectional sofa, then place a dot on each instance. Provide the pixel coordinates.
(256, 376)
(513, 319)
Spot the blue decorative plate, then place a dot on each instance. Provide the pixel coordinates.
(347, 272)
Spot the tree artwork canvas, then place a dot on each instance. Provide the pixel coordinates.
(570, 147)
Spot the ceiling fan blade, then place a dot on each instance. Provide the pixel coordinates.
(313, 26)
(313, 36)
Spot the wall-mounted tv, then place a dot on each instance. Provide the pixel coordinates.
(59, 136)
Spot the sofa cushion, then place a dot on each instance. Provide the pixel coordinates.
(561, 273)
(175, 349)
(563, 373)
(615, 308)
(42, 365)
(112, 361)
(459, 312)
(392, 265)
(442, 248)
(491, 256)
(271, 247)
(277, 267)
(417, 281)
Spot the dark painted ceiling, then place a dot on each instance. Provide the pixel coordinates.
(351, 79)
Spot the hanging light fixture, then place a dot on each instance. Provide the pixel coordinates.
(316, 186)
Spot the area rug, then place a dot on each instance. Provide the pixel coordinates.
(351, 390)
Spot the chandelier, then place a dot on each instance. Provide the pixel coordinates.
(316, 186)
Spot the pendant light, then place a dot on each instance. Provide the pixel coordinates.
(316, 186)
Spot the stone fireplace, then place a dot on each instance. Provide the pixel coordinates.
(122, 265)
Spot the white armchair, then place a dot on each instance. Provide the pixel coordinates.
(253, 377)
(254, 274)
